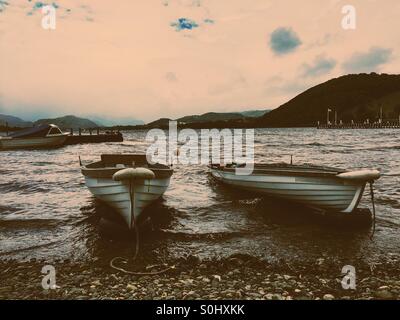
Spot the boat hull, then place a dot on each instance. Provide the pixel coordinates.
(326, 193)
(117, 195)
(34, 142)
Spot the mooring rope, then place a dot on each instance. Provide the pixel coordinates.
(137, 244)
(139, 273)
(133, 221)
(373, 208)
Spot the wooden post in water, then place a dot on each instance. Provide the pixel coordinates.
(71, 131)
(327, 116)
(80, 131)
(6, 128)
(98, 131)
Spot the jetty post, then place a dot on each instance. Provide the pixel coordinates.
(92, 137)
(327, 117)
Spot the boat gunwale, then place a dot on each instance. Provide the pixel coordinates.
(47, 136)
(286, 170)
(8, 143)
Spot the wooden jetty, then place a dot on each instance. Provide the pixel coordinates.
(93, 136)
(389, 125)
(379, 123)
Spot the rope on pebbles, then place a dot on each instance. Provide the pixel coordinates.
(112, 265)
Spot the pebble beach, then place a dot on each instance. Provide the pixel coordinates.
(236, 277)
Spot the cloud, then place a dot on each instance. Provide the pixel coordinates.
(185, 3)
(171, 77)
(38, 5)
(183, 23)
(3, 5)
(368, 61)
(284, 40)
(320, 66)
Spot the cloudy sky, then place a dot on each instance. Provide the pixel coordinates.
(169, 58)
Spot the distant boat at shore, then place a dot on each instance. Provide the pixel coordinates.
(44, 136)
(127, 183)
(324, 188)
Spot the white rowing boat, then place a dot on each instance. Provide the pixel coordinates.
(319, 187)
(127, 183)
(43, 136)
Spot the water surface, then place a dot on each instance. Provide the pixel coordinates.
(46, 211)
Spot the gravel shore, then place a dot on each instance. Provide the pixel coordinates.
(236, 277)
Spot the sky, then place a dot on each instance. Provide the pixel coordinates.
(170, 58)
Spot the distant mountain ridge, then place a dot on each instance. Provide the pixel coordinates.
(111, 121)
(221, 116)
(209, 119)
(211, 116)
(255, 113)
(12, 121)
(68, 122)
(162, 122)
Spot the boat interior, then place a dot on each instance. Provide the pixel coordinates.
(284, 168)
(111, 163)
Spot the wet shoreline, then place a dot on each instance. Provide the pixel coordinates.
(236, 277)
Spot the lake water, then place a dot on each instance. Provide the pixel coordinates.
(46, 211)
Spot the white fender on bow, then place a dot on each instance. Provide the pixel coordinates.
(363, 175)
(133, 174)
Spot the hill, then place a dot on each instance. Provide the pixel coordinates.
(14, 121)
(353, 97)
(254, 113)
(68, 122)
(211, 116)
(160, 123)
(221, 116)
(209, 120)
(111, 121)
